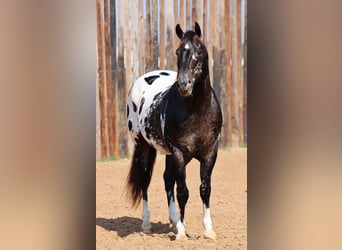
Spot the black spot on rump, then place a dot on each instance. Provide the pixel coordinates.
(151, 79)
(164, 74)
(134, 107)
(141, 104)
(130, 125)
(127, 111)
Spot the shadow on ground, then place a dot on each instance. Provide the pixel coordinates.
(125, 226)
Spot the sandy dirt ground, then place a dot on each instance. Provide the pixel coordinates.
(118, 225)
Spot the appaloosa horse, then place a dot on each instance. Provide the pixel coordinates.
(178, 114)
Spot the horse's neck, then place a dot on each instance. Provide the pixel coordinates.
(201, 97)
(202, 90)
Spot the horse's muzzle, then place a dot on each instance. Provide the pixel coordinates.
(185, 88)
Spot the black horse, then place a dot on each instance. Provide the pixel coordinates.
(177, 113)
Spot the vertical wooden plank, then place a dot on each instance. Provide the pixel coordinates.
(240, 73)
(196, 10)
(128, 61)
(148, 39)
(102, 86)
(171, 38)
(212, 30)
(141, 37)
(121, 88)
(245, 78)
(228, 125)
(236, 66)
(162, 35)
(111, 87)
(188, 10)
(204, 27)
(135, 52)
(234, 118)
(220, 62)
(182, 19)
(175, 12)
(98, 125)
(154, 33)
(128, 45)
(111, 109)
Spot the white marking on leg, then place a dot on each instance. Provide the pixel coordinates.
(207, 223)
(180, 230)
(173, 215)
(146, 225)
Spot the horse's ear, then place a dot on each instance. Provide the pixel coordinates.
(198, 29)
(179, 31)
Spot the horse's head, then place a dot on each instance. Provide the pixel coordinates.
(192, 59)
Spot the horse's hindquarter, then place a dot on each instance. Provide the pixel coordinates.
(144, 103)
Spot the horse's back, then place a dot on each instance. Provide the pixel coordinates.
(143, 96)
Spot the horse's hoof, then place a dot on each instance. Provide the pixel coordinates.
(146, 230)
(210, 234)
(181, 236)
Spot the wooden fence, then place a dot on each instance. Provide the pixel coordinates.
(138, 36)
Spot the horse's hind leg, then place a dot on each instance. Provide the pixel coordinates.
(140, 177)
(207, 165)
(147, 163)
(169, 180)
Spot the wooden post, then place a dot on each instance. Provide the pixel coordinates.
(212, 30)
(128, 61)
(154, 33)
(182, 20)
(220, 61)
(175, 12)
(120, 83)
(135, 54)
(98, 124)
(102, 87)
(245, 79)
(229, 101)
(148, 39)
(240, 74)
(171, 39)
(188, 10)
(237, 110)
(162, 36)
(140, 39)
(204, 27)
(111, 109)
(196, 13)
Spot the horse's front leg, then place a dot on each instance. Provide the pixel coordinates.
(178, 164)
(207, 165)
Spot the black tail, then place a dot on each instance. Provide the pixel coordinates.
(140, 174)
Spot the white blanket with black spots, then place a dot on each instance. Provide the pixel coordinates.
(143, 96)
